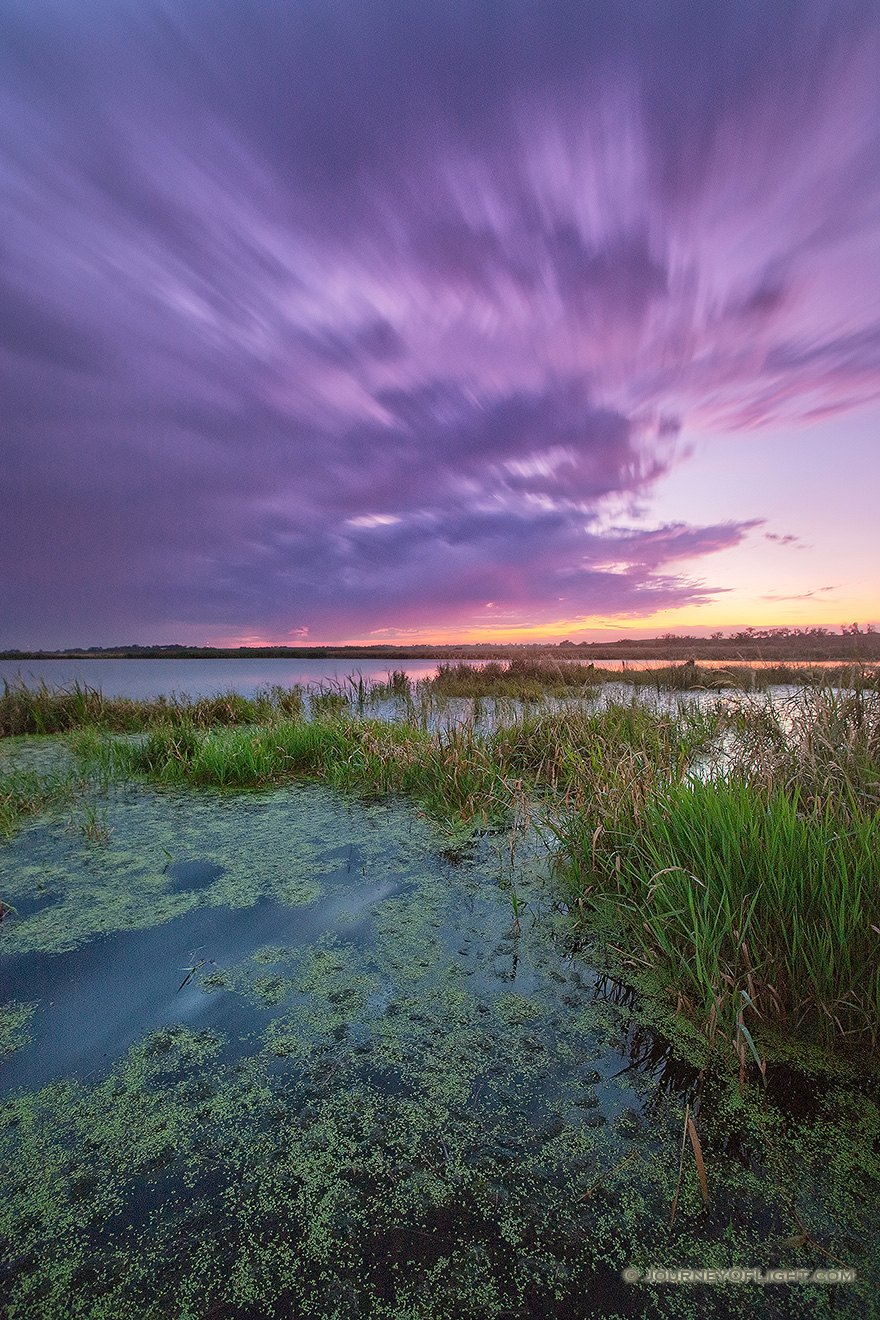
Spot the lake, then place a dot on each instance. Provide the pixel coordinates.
(199, 678)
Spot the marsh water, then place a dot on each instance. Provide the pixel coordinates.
(148, 678)
(142, 679)
(288, 1054)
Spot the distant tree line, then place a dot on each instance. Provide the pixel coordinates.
(853, 642)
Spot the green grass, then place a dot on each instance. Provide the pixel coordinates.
(728, 890)
(44, 710)
(450, 771)
(692, 677)
(535, 678)
(522, 678)
(26, 793)
(580, 754)
(822, 744)
(459, 773)
(733, 849)
(47, 710)
(399, 686)
(762, 878)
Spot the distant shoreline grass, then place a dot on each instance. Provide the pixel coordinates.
(731, 849)
(44, 709)
(526, 678)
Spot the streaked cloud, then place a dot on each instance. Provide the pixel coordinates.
(336, 318)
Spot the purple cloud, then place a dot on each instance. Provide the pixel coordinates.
(323, 316)
(787, 539)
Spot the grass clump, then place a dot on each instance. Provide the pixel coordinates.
(753, 892)
(26, 793)
(744, 895)
(521, 678)
(48, 710)
(691, 677)
(399, 686)
(823, 744)
(450, 771)
(328, 702)
(43, 709)
(458, 773)
(532, 678)
(581, 754)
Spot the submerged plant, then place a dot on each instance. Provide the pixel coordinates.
(93, 824)
(517, 908)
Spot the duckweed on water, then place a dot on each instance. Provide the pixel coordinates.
(427, 1115)
(338, 1180)
(261, 845)
(397, 1093)
(14, 1018)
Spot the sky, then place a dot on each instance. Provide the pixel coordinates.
(437, 320)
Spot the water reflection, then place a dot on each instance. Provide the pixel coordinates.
(98, 1000)
(197, 874)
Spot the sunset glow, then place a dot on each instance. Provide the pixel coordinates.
(446, 321)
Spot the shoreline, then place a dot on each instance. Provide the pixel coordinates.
(866, 651)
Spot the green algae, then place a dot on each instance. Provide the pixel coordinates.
(14, 1019)
(322, 1186)
(278, 845)
(48, 754)
(438, 1114)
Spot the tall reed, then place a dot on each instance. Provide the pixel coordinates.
(822, 743)
(724, 887)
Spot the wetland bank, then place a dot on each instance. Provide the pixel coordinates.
(392, 1000)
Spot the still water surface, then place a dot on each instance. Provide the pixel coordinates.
(201, 678)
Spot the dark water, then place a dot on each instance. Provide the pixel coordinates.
(97, 1000)
(193, 875)
(286, 1054)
